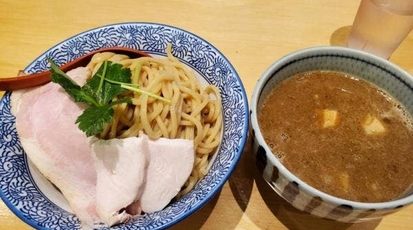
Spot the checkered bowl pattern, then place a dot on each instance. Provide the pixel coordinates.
(380, 72)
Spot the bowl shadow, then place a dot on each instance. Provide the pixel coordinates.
(241, 181)
(198, 218)
(240, 184)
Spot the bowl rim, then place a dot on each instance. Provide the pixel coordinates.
(306, 52)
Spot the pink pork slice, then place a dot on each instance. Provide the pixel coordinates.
(45, 122)
(171, 163)
(121, 171)
(84, 177)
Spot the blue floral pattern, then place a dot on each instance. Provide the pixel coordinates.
(18, 189)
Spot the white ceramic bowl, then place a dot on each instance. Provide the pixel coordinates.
(380, 72)
(33, 199)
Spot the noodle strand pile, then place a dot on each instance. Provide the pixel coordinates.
(193, 113)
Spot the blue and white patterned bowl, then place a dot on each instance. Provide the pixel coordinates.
(33, 199)
(380, 72)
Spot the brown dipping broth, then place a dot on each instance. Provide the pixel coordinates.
(341, 135)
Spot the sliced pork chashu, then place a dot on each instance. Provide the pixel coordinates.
(121, 173)
(171, 163)
(45, 122)
(139, 174)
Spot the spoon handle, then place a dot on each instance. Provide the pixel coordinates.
(37, 79)
(22, 82)
(32, 80)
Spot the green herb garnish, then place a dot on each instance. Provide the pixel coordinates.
(99, 92)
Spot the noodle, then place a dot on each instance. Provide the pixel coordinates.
(194, 113)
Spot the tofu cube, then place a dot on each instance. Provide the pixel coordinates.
(330, 118)
(372, 125)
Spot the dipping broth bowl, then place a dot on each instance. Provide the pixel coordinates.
(382, 73)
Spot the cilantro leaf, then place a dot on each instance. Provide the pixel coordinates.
(99, 92)
(70, 86)
(103, 90)
(92, 121)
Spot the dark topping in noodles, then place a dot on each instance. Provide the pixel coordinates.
(341, 135)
